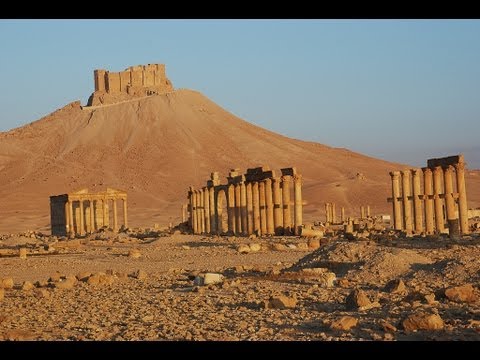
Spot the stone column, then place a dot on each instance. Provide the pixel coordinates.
(437, 190)
(72, 215)
(287, 217)
(362, 212)
(334, 213)
(397, 209)
(256, 209)
(67, 218)
(193, 208)
(269, 207)
(462, 198)
(213, 205)
(243, 208)
(184, 218)
(115, 220)
(82, 218)
(417, 201)
(248, 189)
(92, 216)
(263, 207)
(368, 211)
(428, 190)
(407, 207)
(327, 213)
(277, 203)
(105, 212)
(449, 200)
(125, 217)
(201, 211)
(206, 209)
(297, 187)
(343, 214)
(238, 217)
(231, 208)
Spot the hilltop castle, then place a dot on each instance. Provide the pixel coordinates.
(135, 81)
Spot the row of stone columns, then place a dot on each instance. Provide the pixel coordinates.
(253, 207)
(438, 198)
(70, 215)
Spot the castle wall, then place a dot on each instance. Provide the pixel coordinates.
(124, 80)
(99, 77)
(113, 82)
(136, 78)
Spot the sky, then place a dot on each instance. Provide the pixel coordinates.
(399, 90)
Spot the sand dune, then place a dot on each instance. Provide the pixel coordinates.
(155, 147)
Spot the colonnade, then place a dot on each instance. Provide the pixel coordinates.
(257, 202)
(441, 205)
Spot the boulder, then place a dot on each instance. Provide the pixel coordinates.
(281, 302)
(27, 285)
(7, 283)
(313, 243)
(461, 294)
(357, 299)
(423, 321)
(212, 278)
(344, 323)
(396, 286)
(243, 249)
(254, 247)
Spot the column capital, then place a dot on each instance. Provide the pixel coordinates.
(297, 177)
(426, 170)
(459, 166)
(437, 169)
(395, 174)
(406, 172)
(448, 168)
(286, 178)
(415, 172)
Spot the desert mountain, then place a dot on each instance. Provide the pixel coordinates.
(155, 147)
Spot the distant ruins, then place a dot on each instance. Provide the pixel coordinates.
(256, 203)
(331, 214)
(440, 202)
(135, 81)
(82, 212)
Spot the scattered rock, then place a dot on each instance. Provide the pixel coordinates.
(313, 243)
(185, 247)
(134, 253)
(343, 283)
(7, 283)
(41, 293)
(302, 246)
(83, 276)
(357, 299)
(430, 299)
(322, 275)
(100, 279)
(27, 285)
(387, 327)
(281, 302)
(279, 247)
(243, 249)
(212, 278)
(396, 286)
(345, 323)
(422, 321)
(254, 247)
(140, 275)
(66, 284)
(460, 294)
(23, 253)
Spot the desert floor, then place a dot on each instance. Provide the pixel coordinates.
(147, 285)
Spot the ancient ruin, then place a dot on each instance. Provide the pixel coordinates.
(82, 212)
(135, 81)
(256, 203)
(440, 202)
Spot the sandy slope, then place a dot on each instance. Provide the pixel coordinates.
(155, 147)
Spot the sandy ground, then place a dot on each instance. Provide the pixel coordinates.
(158, 296)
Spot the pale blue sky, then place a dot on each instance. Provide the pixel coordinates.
(401, 90)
